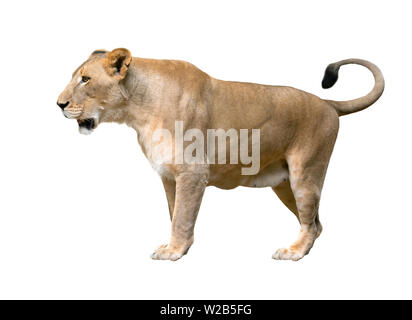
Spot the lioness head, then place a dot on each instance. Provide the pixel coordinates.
(95, 88)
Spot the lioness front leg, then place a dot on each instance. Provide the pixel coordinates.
(170, 189)
(190, 187)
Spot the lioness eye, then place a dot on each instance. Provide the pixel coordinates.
(85, 79)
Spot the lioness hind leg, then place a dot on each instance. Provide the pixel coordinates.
(307, 195)
(307, 165)
(285, 194)
(307, 172)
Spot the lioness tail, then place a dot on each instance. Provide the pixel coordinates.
(351, 106)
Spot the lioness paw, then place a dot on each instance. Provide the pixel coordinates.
(287, 254)
(164, 252)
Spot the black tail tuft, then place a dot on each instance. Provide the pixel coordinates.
(330, 77)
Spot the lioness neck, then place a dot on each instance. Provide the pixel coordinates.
(158, 92)
(141, 110)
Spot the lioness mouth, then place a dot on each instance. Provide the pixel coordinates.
(86, 123)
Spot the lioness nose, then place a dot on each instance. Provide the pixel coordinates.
(62, 105)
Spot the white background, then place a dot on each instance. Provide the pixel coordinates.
(80, 215)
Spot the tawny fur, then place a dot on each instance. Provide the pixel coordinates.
(297, 132)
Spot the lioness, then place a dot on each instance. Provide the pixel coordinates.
(297, 132)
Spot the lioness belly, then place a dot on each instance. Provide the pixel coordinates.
(271, 176)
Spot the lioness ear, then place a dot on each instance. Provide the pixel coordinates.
(116, 63)
(98, 52)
